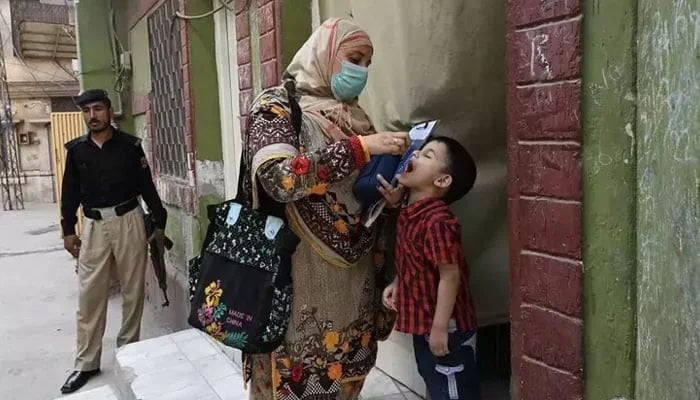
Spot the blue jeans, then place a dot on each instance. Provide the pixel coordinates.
(454, 376)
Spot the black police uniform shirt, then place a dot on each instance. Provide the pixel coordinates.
(106, 177)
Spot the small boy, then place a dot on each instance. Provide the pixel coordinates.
(431, 288)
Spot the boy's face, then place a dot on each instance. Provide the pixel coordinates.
(427, 167)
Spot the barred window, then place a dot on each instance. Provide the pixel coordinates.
(63, 104)
(168, 111)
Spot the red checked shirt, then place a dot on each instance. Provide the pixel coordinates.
(429, 235)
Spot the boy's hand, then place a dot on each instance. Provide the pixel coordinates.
(389, 296)
(438, 342)
(393, 195)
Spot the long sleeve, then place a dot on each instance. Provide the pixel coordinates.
(70, 197)
(290, 178)
(148, 191)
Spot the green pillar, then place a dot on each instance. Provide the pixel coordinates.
(296, 27)
(609, 164)
(668, 225)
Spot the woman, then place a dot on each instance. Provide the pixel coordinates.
(330, 345)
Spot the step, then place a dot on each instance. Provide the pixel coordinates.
(105, 392)
(186, 365)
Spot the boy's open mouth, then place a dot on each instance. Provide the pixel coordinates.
(409, 167)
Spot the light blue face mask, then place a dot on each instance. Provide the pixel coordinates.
(349, 82)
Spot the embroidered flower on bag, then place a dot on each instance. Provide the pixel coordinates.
(213, 293)
(214, 329)
(204, 314)
(236, 339)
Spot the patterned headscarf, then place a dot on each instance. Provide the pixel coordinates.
(312, 68)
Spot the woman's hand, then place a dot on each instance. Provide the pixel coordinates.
(395, 143)
(393, 195)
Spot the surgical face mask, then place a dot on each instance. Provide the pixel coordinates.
(349, 82)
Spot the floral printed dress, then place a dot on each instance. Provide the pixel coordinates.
(331, 343)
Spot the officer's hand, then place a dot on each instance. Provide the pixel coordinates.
(72, 245)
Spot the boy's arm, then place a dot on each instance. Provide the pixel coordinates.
(447, 295)
(444, 250)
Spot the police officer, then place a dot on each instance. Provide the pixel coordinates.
(106, 171)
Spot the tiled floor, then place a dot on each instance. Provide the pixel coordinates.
(101, 393)
(188, 365)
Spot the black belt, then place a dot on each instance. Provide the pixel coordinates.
(119, 210)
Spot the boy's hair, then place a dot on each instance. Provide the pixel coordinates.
(460, 165)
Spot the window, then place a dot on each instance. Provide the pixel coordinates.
(63, 104)
(167, 84)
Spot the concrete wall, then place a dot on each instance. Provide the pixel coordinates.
(544, 149)
(32, 83)
(36, 158)
(668, 217)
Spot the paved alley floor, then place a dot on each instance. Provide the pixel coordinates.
(38, 299)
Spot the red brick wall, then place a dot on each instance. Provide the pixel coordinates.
(268, 17)
(245, 66)
(544, 145)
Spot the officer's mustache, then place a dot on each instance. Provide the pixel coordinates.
(93, 121)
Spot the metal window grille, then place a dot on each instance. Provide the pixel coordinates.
(63, 104)
(167, 84)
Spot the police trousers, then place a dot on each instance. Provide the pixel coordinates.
(115, 244)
